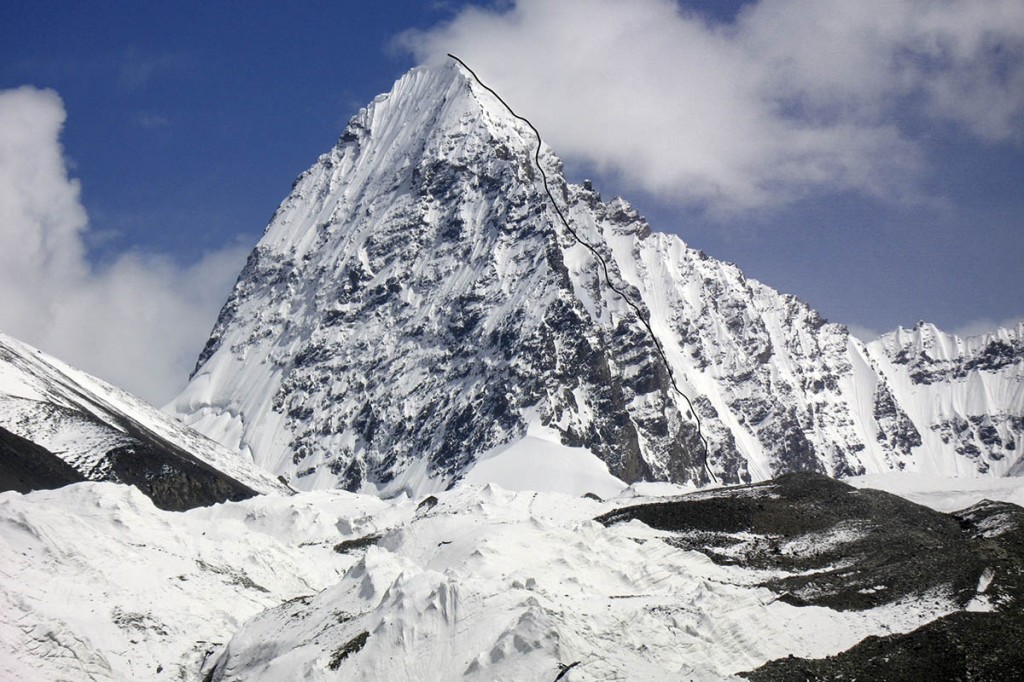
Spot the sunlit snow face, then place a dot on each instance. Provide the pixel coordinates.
(474, 582)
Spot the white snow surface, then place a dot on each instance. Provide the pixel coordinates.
(101, 585)
(483, 584)
(539, 462)
(78, 417)
(944, 493)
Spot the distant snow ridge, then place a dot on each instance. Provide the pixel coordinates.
(967, 394)
(415, 303)
(59, 425)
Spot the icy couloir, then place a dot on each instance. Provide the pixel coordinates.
(416, 305)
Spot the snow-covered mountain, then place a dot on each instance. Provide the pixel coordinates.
(416, 305)
(59, 425)
(479, 583)
(964, 395)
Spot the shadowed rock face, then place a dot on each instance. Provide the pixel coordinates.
(845, 548)
(25, 466)
(61, 426)
(174, 479)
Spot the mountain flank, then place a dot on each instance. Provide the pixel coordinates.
(416, 305)
(59, 425)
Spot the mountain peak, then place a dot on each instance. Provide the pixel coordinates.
(417, 303)
(418, 96)
(416, 297)
(434, 116)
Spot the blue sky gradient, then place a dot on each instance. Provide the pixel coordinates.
(187, 122)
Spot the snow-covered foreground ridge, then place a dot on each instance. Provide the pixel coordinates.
(477, 583)
(415, 303)
(59, 425)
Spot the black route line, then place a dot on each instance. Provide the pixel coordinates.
(601, 260)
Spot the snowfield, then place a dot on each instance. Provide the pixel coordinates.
(944, 493)
(477, 583)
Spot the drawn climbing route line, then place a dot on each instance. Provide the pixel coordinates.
(604, 264)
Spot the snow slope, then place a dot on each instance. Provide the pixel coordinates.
(102, 431)
(475, 583)
(945, 493)
(539, 462)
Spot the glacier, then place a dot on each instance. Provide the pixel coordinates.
(441, 445)
(475, 583)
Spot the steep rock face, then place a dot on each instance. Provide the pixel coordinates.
(25, 466)
(416, 302)
(60, 426)
(965, 396)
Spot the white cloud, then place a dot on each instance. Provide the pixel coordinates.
(793, 97)
(865, 334)
(985, 325)
(138, 322)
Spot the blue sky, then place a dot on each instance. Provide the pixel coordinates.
(864, 156)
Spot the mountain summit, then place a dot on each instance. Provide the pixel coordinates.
(416, 305)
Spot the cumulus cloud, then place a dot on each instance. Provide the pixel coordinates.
(138, 322)
(792, 97)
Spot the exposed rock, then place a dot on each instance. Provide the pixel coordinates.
(416, 300)
(844, 548)
(60, 426)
